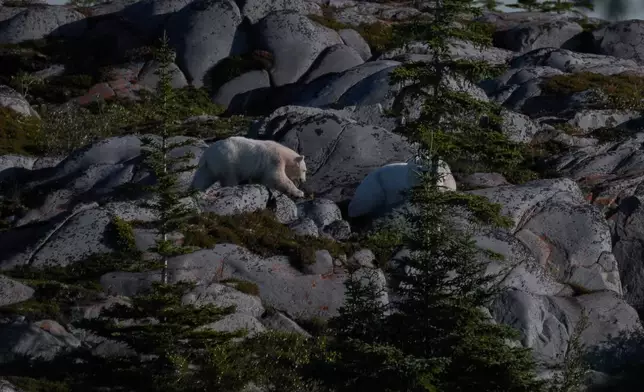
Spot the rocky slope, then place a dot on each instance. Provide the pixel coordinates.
(315, 77)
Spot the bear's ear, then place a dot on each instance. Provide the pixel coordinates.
(299, 159)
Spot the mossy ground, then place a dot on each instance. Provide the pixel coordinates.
(58, 289)
(18, 133)
(260, 233)
(28, 384)
(621, 91)
(383, 244)
(60, 132)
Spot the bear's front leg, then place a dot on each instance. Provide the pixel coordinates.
(283, 184)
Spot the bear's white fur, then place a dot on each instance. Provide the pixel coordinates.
(387, 186)
(238, 159)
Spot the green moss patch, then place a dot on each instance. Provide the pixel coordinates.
(537, 158)
(18, 133)
(383, 244)
(217, 128)
(122, 234)
(244, 286)
(28, 384)
(260, 233)
(84, 273)
(621, 91)
(316, 326)
(58, 289)
(52, 300)
(379, 35)
(230, 68)
(60, 89)
(61, 132)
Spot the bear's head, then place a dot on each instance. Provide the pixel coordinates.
(296, 170)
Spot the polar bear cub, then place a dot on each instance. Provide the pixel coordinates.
(237, 159)
(387, 186)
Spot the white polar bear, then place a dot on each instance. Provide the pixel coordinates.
(238, 159)
(387, 186)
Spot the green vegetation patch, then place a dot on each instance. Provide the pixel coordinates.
(18, 133)
(260, 233)
(52, 300)
(58, 288)
(57, 89)
(622, 91)
(61, 132)
(379, 35)
(29, 384)
(122, 234)
(244, 286)
(230, 68)
(316, 326)
(383, 244)
(85, 273)
(217, 128)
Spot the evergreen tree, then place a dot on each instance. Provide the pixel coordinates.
(164, 167)
(574, 366)
(156, 325)
(436, 337)
(362, 356)
(440, 311)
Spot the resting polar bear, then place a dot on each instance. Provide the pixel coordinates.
(238, 159)
(386, 186)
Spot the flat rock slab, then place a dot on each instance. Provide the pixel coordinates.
(280, 284)
(39, 340)
(12, 291)
(546, 323)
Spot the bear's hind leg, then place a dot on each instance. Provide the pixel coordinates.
(229, 179)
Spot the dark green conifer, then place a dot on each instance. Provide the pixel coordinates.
(166, 191)
(436, 337)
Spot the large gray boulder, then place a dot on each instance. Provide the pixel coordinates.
(621, 39)
(255, 10)
(280, 285)
(339, 151)
(150, 15)
(39, 340)
(628, 236)
(334, 59)
(243, 83)
(546, 323)
(12, 291)
(569, 237)
(97, 170)
(551, 34)
(204, 33)
(330, 89)
(11, 99)
(295, 43)
(41, 21)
